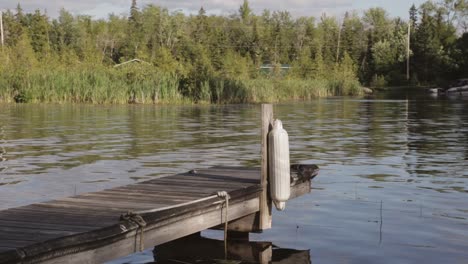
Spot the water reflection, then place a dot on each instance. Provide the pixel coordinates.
(201, 250)
(403, 151)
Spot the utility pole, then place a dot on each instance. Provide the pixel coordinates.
(408, 53)
(339, 42)
(1, 27)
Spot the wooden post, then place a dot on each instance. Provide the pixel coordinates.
(265, 200)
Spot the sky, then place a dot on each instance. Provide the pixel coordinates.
(101, 8)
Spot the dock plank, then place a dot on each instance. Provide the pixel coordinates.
(99, 201)
(154, 199)
(211, 181)
(37, 210)
(13, 243)
(33, 235)
(137, 195)
(25, 225)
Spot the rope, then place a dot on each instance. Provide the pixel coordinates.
(225, 195)
(135, 218)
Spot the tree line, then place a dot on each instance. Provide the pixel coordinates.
(236, 58)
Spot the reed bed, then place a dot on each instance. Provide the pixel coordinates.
(98, 85)
(147, 85)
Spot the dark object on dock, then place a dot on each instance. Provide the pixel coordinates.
(301, 172)
(198, 249)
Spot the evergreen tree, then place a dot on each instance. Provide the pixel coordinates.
(134, 13)
(134, 34)
(413, 14)
(245, 12)
(12, 28)
(39, 32)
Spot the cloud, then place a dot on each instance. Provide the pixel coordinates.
(101, 9)
(296, 7)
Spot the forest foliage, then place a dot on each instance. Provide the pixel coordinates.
(243, 57)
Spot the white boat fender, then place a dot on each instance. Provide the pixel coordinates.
(279, 169)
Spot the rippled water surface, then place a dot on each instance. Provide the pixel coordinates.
(392, 187)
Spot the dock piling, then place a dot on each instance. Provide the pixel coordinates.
(265, 200)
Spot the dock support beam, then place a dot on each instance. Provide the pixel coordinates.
(265, 200)
(260, 220)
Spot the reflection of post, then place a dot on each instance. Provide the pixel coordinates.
(195, 247)
(265, 201)
(207, 250)
(265, 256)
(290, 256)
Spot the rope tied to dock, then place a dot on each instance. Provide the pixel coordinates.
(136, 219)
(225, 195)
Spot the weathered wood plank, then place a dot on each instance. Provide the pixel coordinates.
(115, 203)
(46, 226)
(152, 190)
(6, 248)
(3, 250)
(202, 187)
(64, 221)
(227, 172)
(246, 172)
(43, 207)
(228, 175)
(59, 216)
(6, 242)
(135, 194)
(265, 218)
(182, 189)
(32, 235)
(114, 209)
(42, 212)
(155, 195)
(210, 179)
(154, 199)
(221, 178)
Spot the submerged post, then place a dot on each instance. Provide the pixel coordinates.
(265, 201)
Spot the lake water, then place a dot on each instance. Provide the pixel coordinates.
(392, 186)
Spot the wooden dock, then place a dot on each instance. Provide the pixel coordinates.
(105, 225)
(95, 227)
